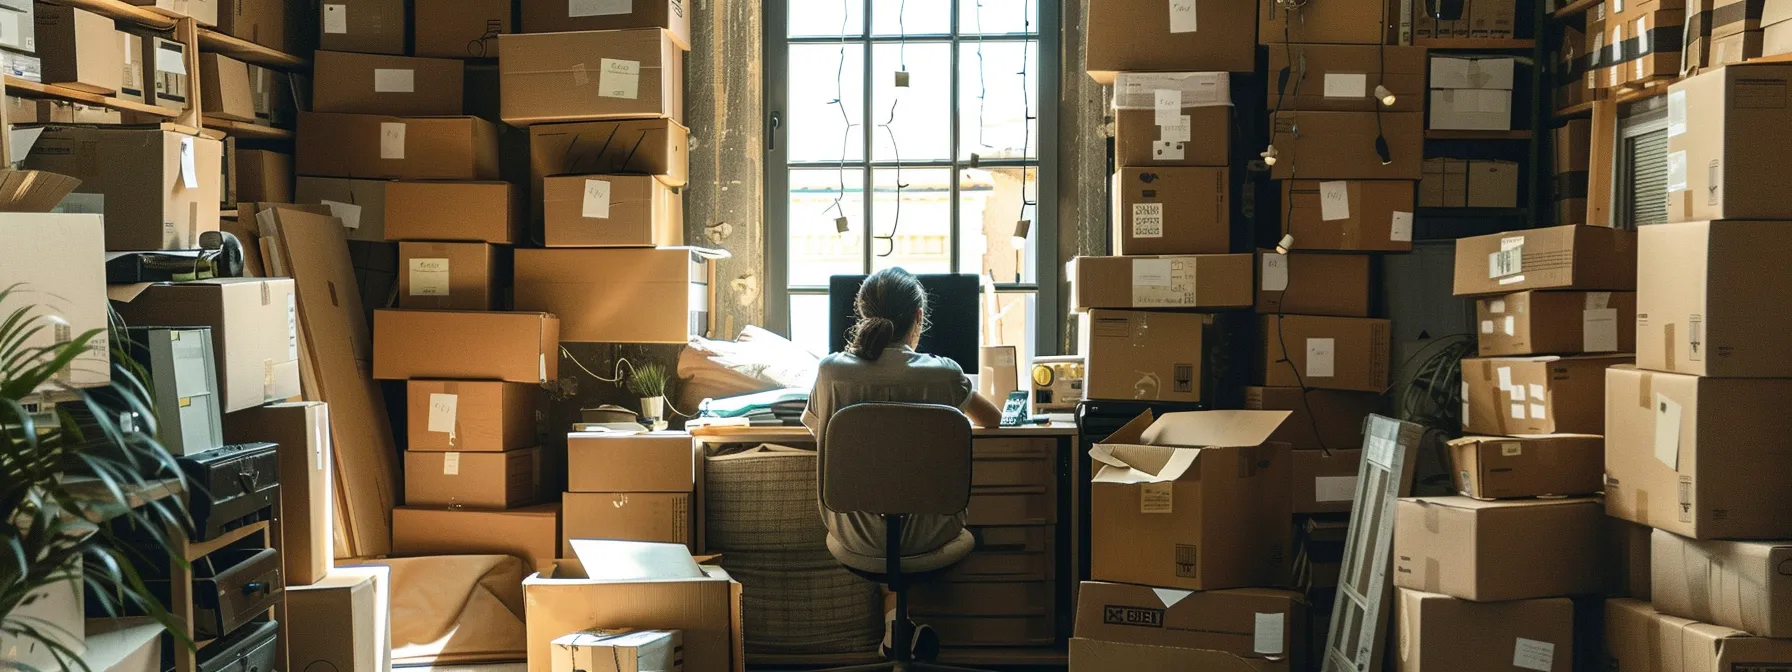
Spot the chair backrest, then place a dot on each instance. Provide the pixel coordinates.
(891, 458)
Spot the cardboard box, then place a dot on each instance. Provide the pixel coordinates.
(79, 49)
(363, 26)
(531, 533)
(1353, 22)
(378, 146)
(1195, 501)
(476, 480)
(1324, 481)
(1545, 394)
(488, 212)
(1200, 130)
(1352, 215)
(706, 607)
(260, 176)
(656, 147)
(152, 198)
(547, 16)
(1492, 18)
(1141, 36)
(127, 644)
(1329, 353)
(1699, 457)
(377, 84)
(998, 373)
(1139, 354)
(307, 487)
(637, 295)
(1563, 323)
(1256, 624)
(224, 83)
(1488, 467)
(1638, 639)
(460, 28)
(359, 204)
(552, 77)
(1460, 636)
(1209, 281)
(452, 276)
(663, 517)
(1776, 28)
(1313, 284)
(1645, 59)
(1335, 421)
(254, 326)
(1721, 133)
(619, 650)
(611, 211)
(1736, 584)
(1491, 551)
(1343, 77)
(273, 95)
(56, 261)
(1560, 257)
(1708, 301)
(1341, 145)
(521, 347)
(651, 462)
(170, 79)
(57, 610)
(1443, 183)
(260, 21)
(1099, 656)
(470, 415)
(1471, 93)
(1735, 48)
(1172, 211)
(1492, 184)
(338, 623)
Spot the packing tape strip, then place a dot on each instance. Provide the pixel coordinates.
(1667, 344)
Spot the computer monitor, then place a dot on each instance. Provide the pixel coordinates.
(952, 307)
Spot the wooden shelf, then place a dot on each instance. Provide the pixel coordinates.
(118, 10)
(1474, 43)
(1575, 8)
(200, 549)
(1441, 134)
(248, 52)
(1580, 110)
(247, 130)
(30, 89)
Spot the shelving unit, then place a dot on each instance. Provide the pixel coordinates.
(1575, 8)
(181, 578)
(29, 89)
(247, 130)
(249, 52)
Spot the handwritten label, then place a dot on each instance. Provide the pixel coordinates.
(1400, 227)
(429, 277)
(1531, 654)
(1334, 200)
(618, 78)
(597, 200)
(1275, 272)
(1182, 16)
(392, 140)
(1167, 106)
(442, 411)
(1320, 352)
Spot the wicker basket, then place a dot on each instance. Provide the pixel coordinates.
(763, 499)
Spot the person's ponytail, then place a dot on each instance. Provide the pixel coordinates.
(887, 305)
(871, 336)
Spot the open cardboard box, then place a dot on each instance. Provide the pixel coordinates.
(637, 585)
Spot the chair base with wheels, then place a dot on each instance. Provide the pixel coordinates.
(896, 571)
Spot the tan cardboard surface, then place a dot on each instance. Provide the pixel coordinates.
(531, 533)
(1490, 551)
(1171, 211)
(255, 330)
(1562, 257)
(382, 146)
(1129, 35)
(476, 480)
(633, 295)
(547, 16)
(1136, 354)
(652, 462)
(1710, 299)
(459, 28)
(519, 347)
(1452, 635)
(1331, 353)
(1207, 281)
(1535, 395)
(1341, 145)
(611, 211)
(585, 76)
(1336, 420)
(452, 276)
(1313, 284)
(1556, 323)
(1376, 217)
(1489, 467)
(302, 429)
(379, 84)
(470, 415)
(1736, 584)
(138, 171)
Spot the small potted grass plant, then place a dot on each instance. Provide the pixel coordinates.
(649, 382)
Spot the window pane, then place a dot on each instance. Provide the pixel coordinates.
(996, 17)
(825, 18)
(910, 123)
(817, 248)
(996, 100)
(911, 17)
(827, 101)
(809, 322)
(990, 202)
(1010, 321)
(915, 231)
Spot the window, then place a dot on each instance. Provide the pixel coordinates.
(1642, 165)
(911, 133)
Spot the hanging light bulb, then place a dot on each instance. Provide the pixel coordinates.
(1387, 97)
(1021, 228)
(840, 225)
(1381, 150)
(1285, 244)
(1269, 155)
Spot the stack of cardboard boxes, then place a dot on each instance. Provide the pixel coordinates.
(640, 487)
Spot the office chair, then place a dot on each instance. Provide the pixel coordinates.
(897, 460)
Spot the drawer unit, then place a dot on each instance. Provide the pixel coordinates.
(1011, 470)
(251, 649)
(1013, 505)
(233, 587)
(1008, 553)
(992, 630)
(1000, 598)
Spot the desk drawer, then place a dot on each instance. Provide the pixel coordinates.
(1012, 469)
(1020, 553)
(1013, 505)
(1002, 598)
(992, 630)
(982, 448)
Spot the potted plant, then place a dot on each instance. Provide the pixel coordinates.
(649, 382)
(70, 475)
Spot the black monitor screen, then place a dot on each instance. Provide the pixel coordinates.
(951, 304)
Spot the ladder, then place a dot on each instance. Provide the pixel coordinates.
(1359, 617)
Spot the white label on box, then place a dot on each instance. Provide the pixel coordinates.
(1400, 228)
(1531, 654)
(1677, 171)
(349, 213)
(1518, 411)
(1267, 636)
(171, 61)
(1511, 449)
(189, 170)
(1182, 16)
(1516, 392)
(1537, 412)
(1505, 263)
(292, 327)
(1275, 272)
(1599, 330)
(1505, 374)
(1464, 398)
(1147, 220)
(579, 8)
(335, 19)
(1676, 113)
(442, 409)
(1163, 283)
(450, 464)
(1346, 85)
(1334, 488)
(1511, 326)
(1497, 306)
(429, 277)
(1150, 273)
(617, 78)
(597, 200)
(1320, 353)
(1168, 105)
(394, 80)
(1536, 391)
(1157, 498)
(1334, 200)
(1163, 150)
(1599, 300)
(1176, 132)
(392, 140)
(1667, 431)
(1486, 326)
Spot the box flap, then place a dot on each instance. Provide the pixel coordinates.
(1133, 463)
(126, 293)
(1215, 429)
(1133, 431)
(608, 560)
(1467, 503)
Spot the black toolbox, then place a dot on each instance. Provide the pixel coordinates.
(230, 487)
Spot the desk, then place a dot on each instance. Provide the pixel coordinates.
(1066, 520)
